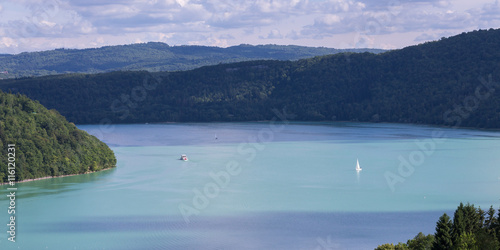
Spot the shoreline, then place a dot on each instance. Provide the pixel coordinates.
(299, 121)
(59, 176)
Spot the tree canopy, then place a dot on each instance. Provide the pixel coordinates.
(46, 144)
(152, 56)
(452, 82)
(472, 228)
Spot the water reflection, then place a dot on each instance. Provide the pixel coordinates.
(59, 185)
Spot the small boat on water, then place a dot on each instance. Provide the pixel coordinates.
(358, 168)
(184, 158)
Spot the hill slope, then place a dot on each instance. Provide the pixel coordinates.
(151, 56)
(45, 143)
(447, 82)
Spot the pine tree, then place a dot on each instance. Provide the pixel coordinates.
(466, 241)
(442, 238)
(481, 216)
(496, 225)
(486, 239)
(490, 220)
(472, 218)
(458, 224)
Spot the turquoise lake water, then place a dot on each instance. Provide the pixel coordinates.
(260, 186)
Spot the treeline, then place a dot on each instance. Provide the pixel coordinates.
(471, 229)
(153, 56)
(46, 144)
(453, 82)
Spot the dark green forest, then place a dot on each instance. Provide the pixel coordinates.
(470, 228)
(153, 56)
(46, 144)
(452, 82)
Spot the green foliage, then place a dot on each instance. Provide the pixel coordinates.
(421, 242)
(467, 220)
(458, 224)
(151, 56)
(490, 222)
(399, 246)
(486, 239)
(496, 226)
(432, 83)
(45, 143)
(471, 229)
(387, 246)
(442, 237)
(466, 241)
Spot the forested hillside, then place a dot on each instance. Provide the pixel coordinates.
(151, 56)
(451, 82)
(45, 143)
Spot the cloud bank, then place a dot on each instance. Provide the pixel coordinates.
(29, 25)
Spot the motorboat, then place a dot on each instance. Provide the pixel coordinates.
(184, 158)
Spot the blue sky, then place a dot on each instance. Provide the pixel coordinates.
(34, 25)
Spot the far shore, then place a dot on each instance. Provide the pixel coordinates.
(59, 176)
(305, 122)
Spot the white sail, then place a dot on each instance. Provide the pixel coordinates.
(358, 168)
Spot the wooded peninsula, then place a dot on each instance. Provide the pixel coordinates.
(46, 144)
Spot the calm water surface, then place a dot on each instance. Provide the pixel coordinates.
(259, 186)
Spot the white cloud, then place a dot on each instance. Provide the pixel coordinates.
(227, 37)
(182, 3)
(294, 35)
(402, 18)
(47, 23)
(426, 37)
(330, 19)
(32, 23)
(7, 42)
(491, 12)
(273, 34)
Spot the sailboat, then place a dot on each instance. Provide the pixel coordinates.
(358, 168)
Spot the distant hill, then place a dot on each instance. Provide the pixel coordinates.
(453, 81)
(153, 56)
(45, 144)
